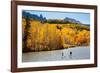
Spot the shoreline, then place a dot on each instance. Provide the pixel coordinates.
(54, 50)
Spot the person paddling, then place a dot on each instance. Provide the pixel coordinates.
(70, 54)
(62, 54)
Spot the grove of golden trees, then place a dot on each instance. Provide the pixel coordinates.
(39, 36)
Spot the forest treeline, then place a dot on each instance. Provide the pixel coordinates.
(44, 36)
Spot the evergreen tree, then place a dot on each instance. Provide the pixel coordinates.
(26, 34)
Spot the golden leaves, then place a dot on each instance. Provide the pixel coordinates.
(55, 36)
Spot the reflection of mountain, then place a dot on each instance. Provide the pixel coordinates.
(41, 18)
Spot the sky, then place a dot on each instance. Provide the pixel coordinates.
(82, 17)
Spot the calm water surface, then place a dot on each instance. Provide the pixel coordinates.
(57, 55)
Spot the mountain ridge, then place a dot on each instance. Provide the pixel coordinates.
(43, 19)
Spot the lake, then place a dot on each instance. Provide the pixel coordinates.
(75, 53)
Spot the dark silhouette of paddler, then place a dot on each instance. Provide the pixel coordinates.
(62, 54)
(70, 55)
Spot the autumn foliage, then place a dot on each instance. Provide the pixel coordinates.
(39, 36)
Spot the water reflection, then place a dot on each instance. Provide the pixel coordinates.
(57, 55)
